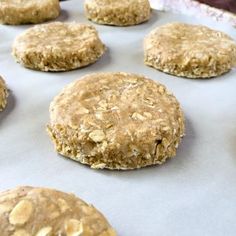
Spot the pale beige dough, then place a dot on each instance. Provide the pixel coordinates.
(120, 13)
(15, 12)
(58, 46)
(116, 121)
(192, 51)
(3, 94)
(29, 211)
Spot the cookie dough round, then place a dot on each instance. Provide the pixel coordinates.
(3, 94)
(116, 121)
(120, 13)
(28, 211)
(15, 12)
(192, 51)
(58, 46)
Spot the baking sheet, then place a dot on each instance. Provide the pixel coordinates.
(197, 9)
(192, 194)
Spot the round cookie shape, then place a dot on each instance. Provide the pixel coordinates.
(192, 51)
(58, 46)
(3, 94)
(15, 12)
(119, 13)
(27, 211)
(116, 121)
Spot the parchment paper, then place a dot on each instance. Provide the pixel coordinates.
(193, 194)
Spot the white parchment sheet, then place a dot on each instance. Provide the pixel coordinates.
(192, 194)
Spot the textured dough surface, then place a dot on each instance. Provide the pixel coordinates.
(58, 46)
(120, 13)
(116, 121)
(16, 12)
(192, 51)
(3, 94)
(28, 211)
